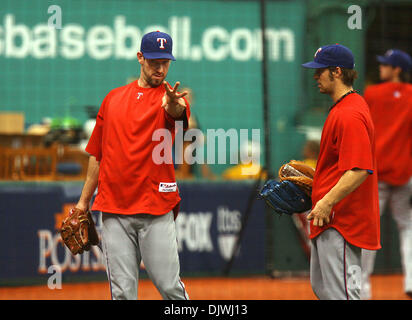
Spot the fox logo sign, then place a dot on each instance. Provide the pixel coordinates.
(162, 42)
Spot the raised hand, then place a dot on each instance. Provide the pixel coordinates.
(172, 100)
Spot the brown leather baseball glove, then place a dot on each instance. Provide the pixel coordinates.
(299, 173)
(78, 231)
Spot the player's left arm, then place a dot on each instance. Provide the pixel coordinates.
(173, 101)
(348, 183)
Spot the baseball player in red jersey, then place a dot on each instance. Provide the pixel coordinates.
(138, 198)
(390, 103)
(345, 213)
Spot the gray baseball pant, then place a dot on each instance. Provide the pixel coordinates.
(335, 267)
(398, 199)
(127, 239)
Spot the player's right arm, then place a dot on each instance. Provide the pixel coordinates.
(94, 148)
(90, 184)
(349, 182)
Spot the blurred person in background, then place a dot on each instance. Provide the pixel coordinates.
(186, 170)
(390, 103)
(250, 170)
(311, 152)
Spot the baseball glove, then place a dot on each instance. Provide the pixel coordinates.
(293, 193)
(285, 197)
(299, 173)
(78, 231)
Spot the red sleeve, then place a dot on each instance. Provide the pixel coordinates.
(354, 143)
(185, 117)
(94, 147)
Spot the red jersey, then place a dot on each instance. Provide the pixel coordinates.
(130, 182)
(391, 108)
(348, 142)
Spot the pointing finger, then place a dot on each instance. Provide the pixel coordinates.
(167, 87)
(176, 86)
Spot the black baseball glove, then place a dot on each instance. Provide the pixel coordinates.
(285, 197)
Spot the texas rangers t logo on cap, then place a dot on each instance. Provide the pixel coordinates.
(396, 58)
(388, 53)
(157, 45)
(335, 55)
(162, 41)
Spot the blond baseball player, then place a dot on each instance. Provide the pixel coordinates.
(345, 214)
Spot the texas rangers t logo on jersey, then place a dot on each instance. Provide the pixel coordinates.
(162, 42)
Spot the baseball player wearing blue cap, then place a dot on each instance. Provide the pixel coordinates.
(397, 61)
(345, 215)
(138, 196)
(390, 103)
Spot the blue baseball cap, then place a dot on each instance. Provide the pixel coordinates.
(334, 55)
(157, 45)
(396, 58)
